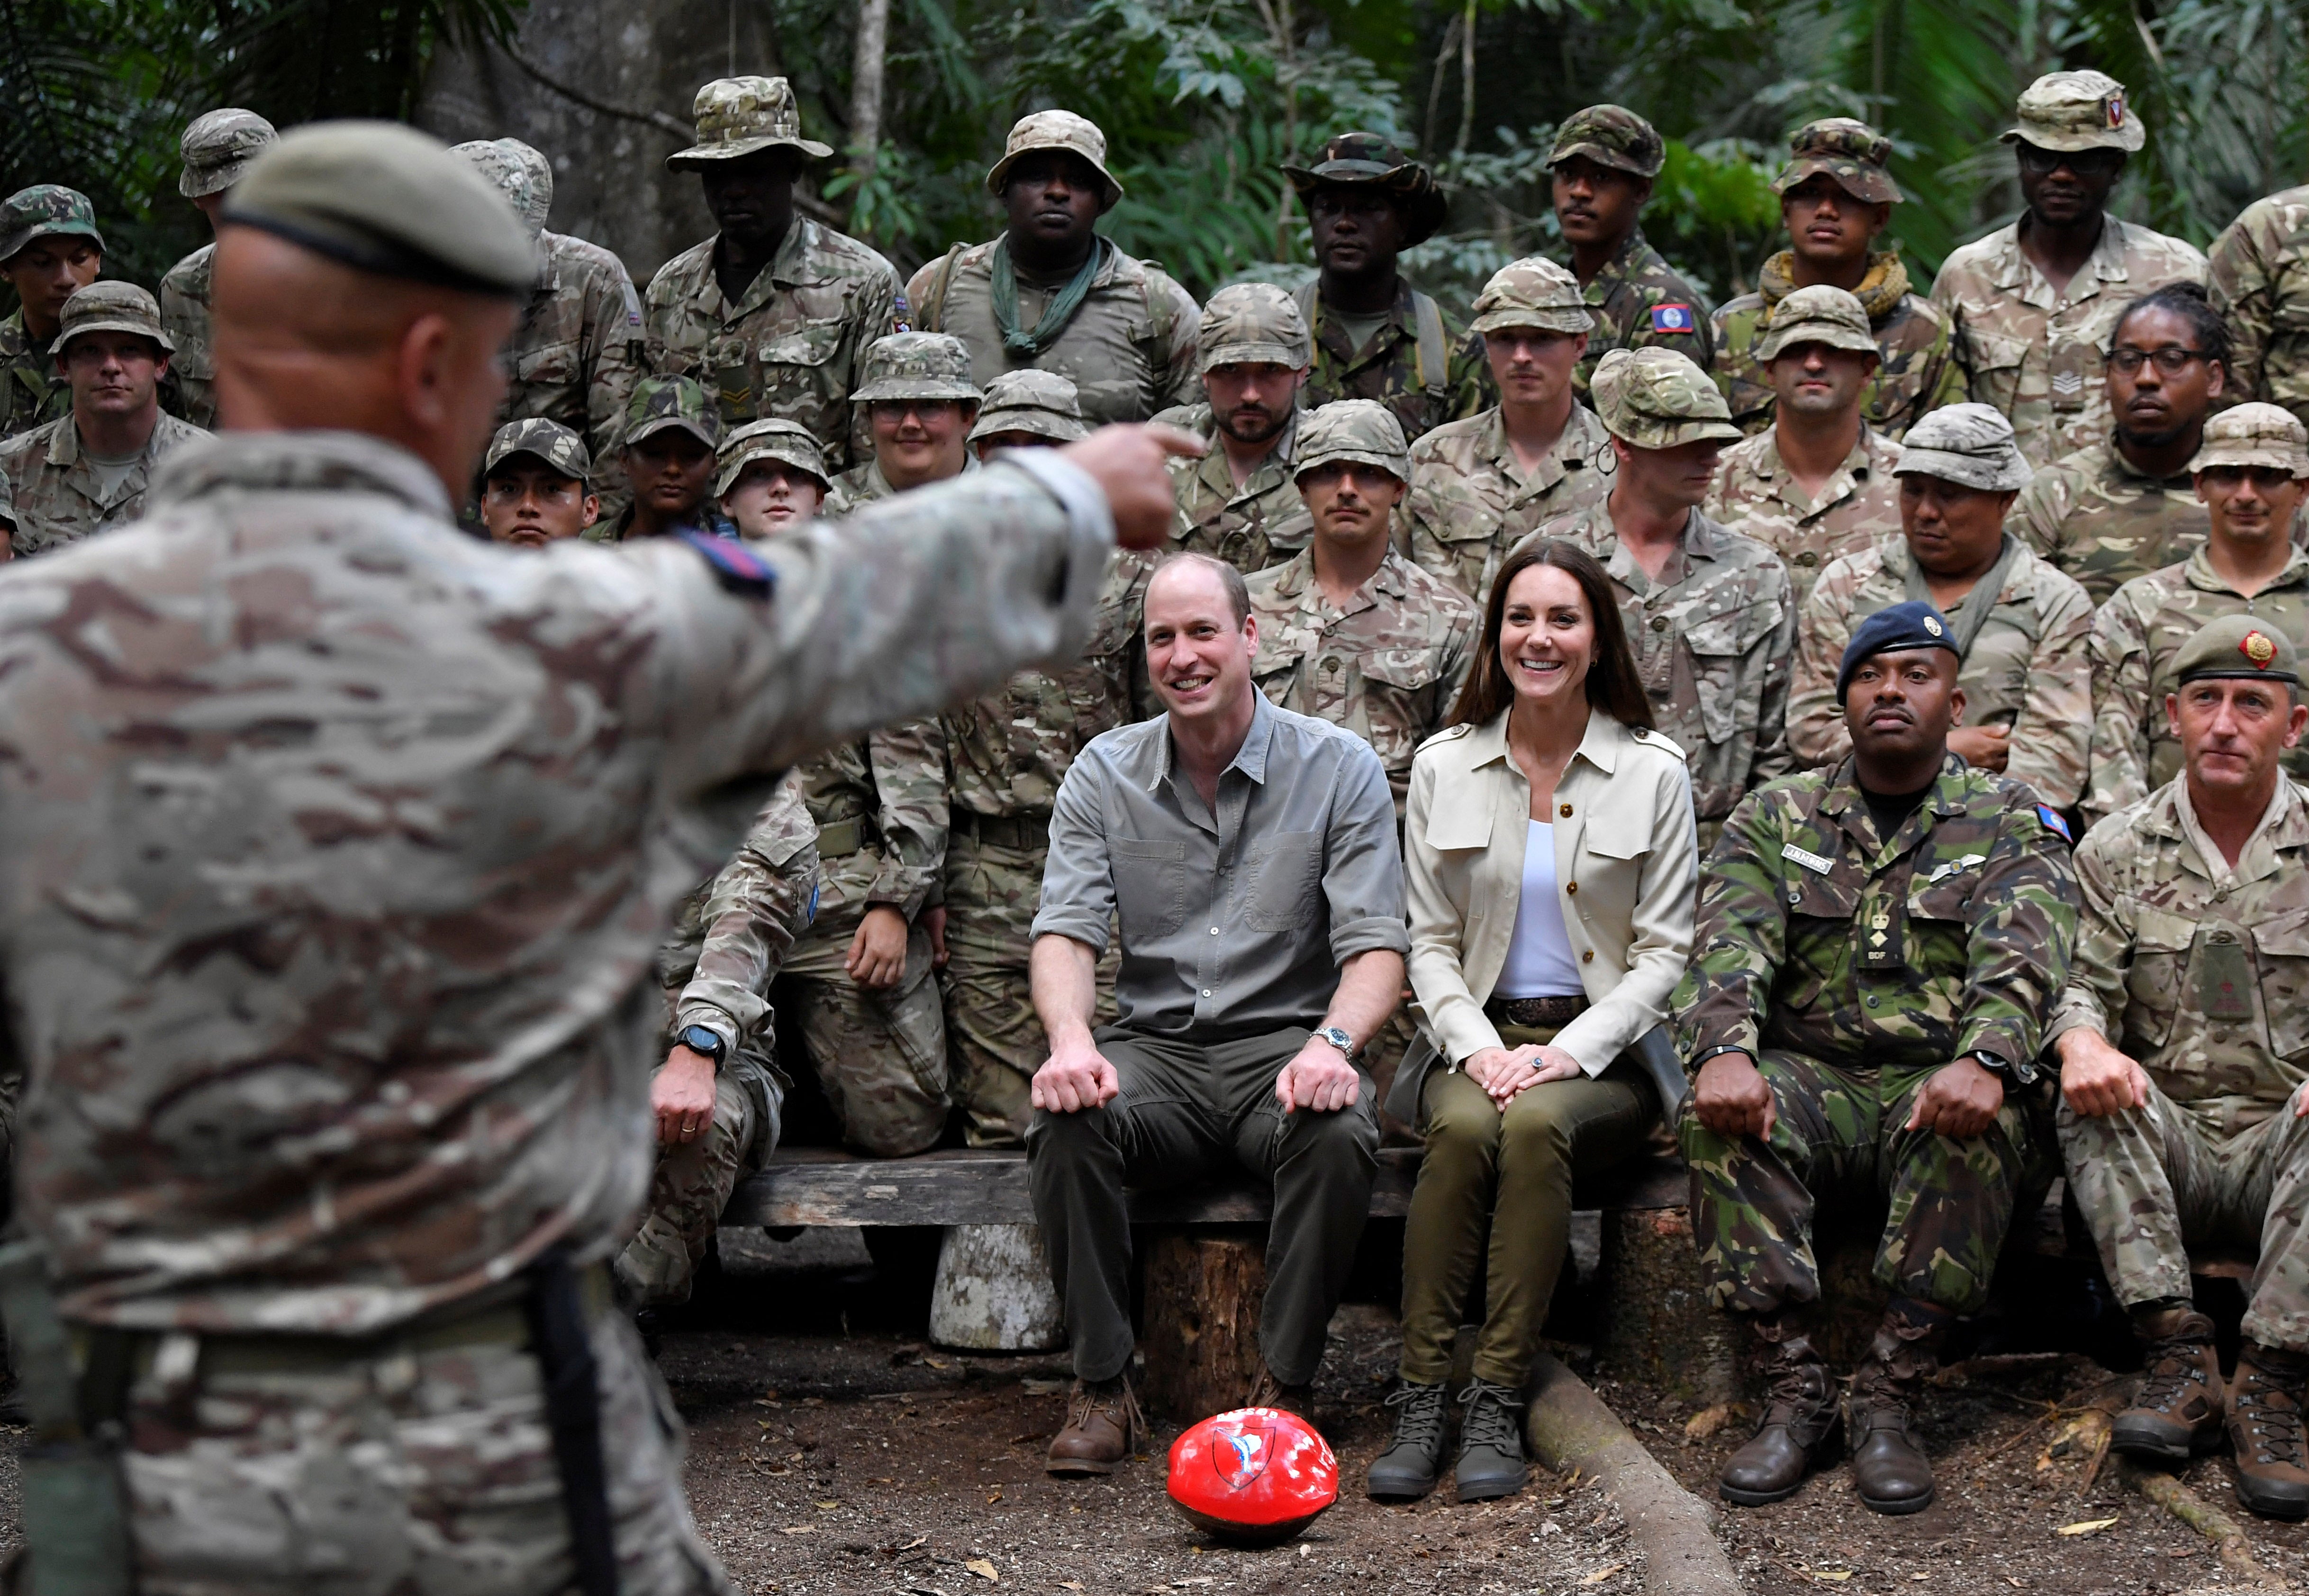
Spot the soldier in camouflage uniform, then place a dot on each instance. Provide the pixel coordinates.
(334, 870)
(1602, 168)
(1052, 293)
(2184, 1039)
(774, 313)
(1878, 946)
(2127, 505)
(1238, 503)
(1710, 616)
(1027, 408)
(2258, 271)
(217, 147)
(86, 470)
(673, 428)
(1835, 197)
(1375, 336)
(1816, 355)
(770, 478)
(2026, 660)
(49, 250)
(2032, 347)
(537, 484)
(2250, 474)
(1478, 485)
(917, 402)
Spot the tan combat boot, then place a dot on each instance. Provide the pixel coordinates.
(2265, 1429)
(2178, 1410)
(1103, 1427)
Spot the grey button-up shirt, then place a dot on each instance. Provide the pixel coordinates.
(1233, 923)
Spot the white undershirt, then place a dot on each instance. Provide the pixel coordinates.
(1539, 954)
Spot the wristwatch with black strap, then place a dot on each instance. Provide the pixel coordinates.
(698, 1039)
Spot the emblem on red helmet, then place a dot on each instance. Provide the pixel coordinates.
(1255, 1476)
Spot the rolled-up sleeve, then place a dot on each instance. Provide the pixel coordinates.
(1363, 864)
(1077, 872)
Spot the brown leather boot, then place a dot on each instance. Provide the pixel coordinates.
(1268, 1392)
(1888, 1466)
(1103, 1427)
(2178, 1410)
(2265, 1429)
(1799, 1418)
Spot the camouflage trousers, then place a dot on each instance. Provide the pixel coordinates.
(881, 1056)
(1841, 1131)
(692, 1182)
(2154, 1185)
(411, 1473)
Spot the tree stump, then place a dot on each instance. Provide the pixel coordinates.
(1202, 1292)
(1654, 1324)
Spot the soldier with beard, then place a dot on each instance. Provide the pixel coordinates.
(1238, 502)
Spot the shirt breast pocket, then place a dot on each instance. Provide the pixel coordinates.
(2154, 984)
(1285, 870)
(1399, 685)
(549, 364)
(1716, 645)
(1150, 887)
(1823, 912)
(1994, 360)
(801, 362)
(2282, 943)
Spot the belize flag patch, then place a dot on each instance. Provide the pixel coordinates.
(2055, 822)
(1672, 318)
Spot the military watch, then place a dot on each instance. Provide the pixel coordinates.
(1337, 1035)
(698, 1039)
(2020, 1074)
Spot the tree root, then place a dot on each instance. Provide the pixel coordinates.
(2227, 1536)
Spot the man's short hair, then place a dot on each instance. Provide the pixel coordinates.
(1237, 590)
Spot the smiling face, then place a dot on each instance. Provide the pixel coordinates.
(1828, 229)
(1198, 654)
(113, 373)
(919, 440)
(1813, 379)
(2232, 732)
(1052, 197)
(2251, 507)
(1547, 638)
(1532, 365)
(1900, 706)
(771, 496)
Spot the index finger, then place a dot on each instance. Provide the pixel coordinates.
(1175, 440)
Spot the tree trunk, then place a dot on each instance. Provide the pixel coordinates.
(866, 75)
(1202, 1300)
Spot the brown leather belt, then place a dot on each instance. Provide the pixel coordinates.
(1022, 834)
(1534, 1013)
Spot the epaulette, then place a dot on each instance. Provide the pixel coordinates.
(736, 566)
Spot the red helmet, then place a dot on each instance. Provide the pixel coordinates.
(1255, 1476)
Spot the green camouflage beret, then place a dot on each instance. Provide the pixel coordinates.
(45, 211)
(1532, 292)
(111, 307)
(916, 366)
(2075, 110)
(2238, 646)
(549, 441)
(1610, 135)
(1030, 400)
(217, 148)
(1820, 314)
(738, 116)
(774, 438)
(1653, 398)
(1055, 130)
(386, 199)
(1970, 445)
(1847, 150)
(2254, 434)
(660, 403)
(1362, 431)
(522, 175)
(1369, 158)
(1253, 324)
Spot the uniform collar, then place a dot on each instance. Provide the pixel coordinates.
(784, 271)
(1294, 579)
(2019, 275)
(1581, 437)
(2200, 574)
(2118, 471)
(1770, 467)
(1633, 255)
(293, 462)
(2284, 827)
(1847, 805)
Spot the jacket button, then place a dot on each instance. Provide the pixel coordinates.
(1565, 809)
(1572, 887)
(1588, 957)
(1807, 558)
(1659, 623)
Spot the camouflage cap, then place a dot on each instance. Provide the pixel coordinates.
(2238, 646)
(1819, 314)
(217, 148)
(2075, 110)
(1361, 157)
(1254, 323)
(660, 403)
(1610, 135)
(1969, 445)
(111, 306)
(1362, 431)
(2254, 434)
(1653, 398)
(559, 448)
(916, 366)
(45, 211)
(742, 116)
(1055, 130)
(1532, 292)
(522, 175)
(1029, 400)
(1846, 149)
(773, 438)
(386, 199)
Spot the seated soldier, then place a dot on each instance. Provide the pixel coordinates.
(1249, 854)
(1027, 409)
(1877, 948)
(673, 428)
(537, 484)
(2184, 1040)
(770, 478)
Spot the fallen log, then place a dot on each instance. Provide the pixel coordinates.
(2230, 1542)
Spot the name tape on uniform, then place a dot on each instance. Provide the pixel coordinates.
(1807, 858)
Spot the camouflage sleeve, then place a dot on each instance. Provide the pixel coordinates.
(1949, 384)
(875, 308)
(909, 766)
(661, 317)
(615, 354)
(7, 505)
(1180, 383)
(2119, 757)
(1817, 736)
(2022, 935)
(2239, 283)
(2037, 515)
(1773, 758)
(1424, 510)
(1740, 937)
(1458, 662)
(758, 907)
(1469, 376)
(2052, 736)
(2095, 993)
(918, 288)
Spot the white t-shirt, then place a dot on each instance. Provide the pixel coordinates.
(1539, 962)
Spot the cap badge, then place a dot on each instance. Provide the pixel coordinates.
(1931, 626)
(2114, 106)
(2258, 649)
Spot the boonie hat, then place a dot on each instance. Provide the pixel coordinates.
(660, 403)
(2253, 434)
(1655, 398)
(111, 306)
(1610, 135)
(1532, 292)
(1820, 314)
(1969, 445)
(737, 117)
(1055, 130)
(2075, 110)
(549, 441)
(916, 366)
(217, 148)
(1031, 400)
(522, 175)
(1253, 324)
(45, 211)
(1361, 431)
(1846, 149)
(1909, 624)
(2238, 646)
(774, 438)
(1367, 158)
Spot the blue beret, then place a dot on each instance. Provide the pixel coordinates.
(1912, 624)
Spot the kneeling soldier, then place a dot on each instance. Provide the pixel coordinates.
(1878, 945)
(2184, 1037)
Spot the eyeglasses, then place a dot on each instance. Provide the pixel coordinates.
(2171, 361)
(2040, 162)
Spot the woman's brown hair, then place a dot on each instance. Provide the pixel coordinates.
(1614, 685)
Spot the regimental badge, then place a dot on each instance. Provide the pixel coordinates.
(1931, 626)
(2258, 648)
(2114, 106)
(1672, 318)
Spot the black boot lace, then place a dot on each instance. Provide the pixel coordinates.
(2271, 1405)
(2175, 1371)
(1493, 1419)
(1419, 1416)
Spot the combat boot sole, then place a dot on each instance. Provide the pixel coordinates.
(2281, 1500)
(2152, 1437)
(1823, 1453)
(1899, 1506)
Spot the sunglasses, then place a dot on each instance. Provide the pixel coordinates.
(2039, 163)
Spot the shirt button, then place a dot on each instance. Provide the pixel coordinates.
(1214, 931)
(1807, 558)
(1872, 1002)
(1331, 662)
(1659, 623)
(1207, 992)
(1565, 809)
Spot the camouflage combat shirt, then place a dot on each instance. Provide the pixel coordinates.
(1389, 368)
(1757, 496)
(31, 390)
(1250, 526)
(2258, 271)
(1638, 299)
(2030, 668)
(186, 315)
(580, 347)
(55, 495)
(1916, 344)
(1471, 501)
(879, 807)
(2094, 517)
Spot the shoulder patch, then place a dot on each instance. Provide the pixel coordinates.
(736, 566)
(898, 311)
(1672, 318)
(633, 304)
(2056, 823)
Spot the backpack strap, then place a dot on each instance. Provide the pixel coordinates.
(1433, 368)
(929, 315)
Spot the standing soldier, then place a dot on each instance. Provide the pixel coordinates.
(1053, 292)
(1835, 197)
(1375, 335)
(773, 312)
(1877, 948)
(2020, 630)
(1817, 483)
(2258, 270)
(1602, 168)
(2251, 475)
(217, 148)
(49, 250)
(1238, 502)
(2035, 303)
(1479, 484)
(1709, 613)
